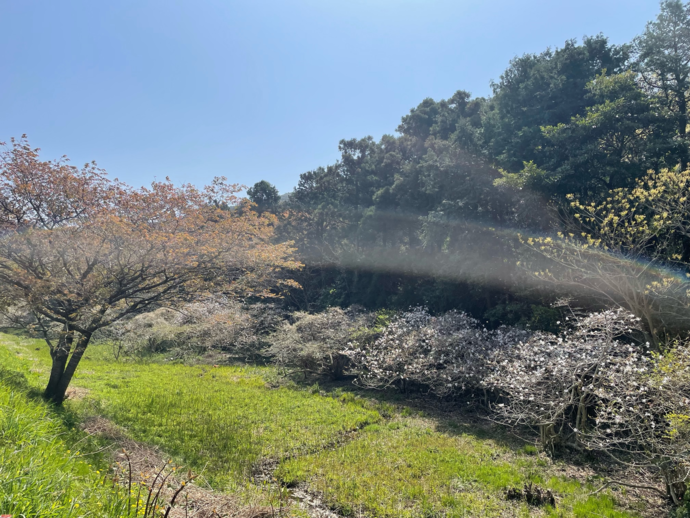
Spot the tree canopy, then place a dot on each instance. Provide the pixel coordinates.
(79, 252)
(264, 195)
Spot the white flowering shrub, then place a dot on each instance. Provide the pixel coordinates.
(546, 381)
(446, 354)
(226, 325)
(315, 344)
(643, 416)
(554, 383)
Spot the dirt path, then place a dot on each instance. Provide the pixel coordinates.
(196, 501)
(144, 462)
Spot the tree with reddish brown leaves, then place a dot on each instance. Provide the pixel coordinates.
(79, 252)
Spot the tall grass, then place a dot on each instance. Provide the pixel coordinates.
(40, 476)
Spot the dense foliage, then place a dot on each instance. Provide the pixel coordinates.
(315, 344)
(217, 325)
(431, 216)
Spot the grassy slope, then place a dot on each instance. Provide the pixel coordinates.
(39, 475)
(420, 472)
(223, 420)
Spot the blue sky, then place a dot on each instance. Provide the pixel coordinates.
(258, 89)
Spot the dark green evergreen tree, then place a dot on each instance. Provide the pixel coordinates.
(544, 89)
(664, 62)
(265, 195)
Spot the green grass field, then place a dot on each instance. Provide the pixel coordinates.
(366, 458)
(40, 476)
(420, 472)
(223, 419)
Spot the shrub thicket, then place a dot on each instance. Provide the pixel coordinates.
(196, 328)
(317, 344)
(447, 354)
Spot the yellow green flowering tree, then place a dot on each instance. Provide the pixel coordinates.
(631, 250)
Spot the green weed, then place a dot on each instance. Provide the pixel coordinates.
(529, 449)
(218, 420)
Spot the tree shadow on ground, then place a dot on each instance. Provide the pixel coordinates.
(18, 382)
(455, 417)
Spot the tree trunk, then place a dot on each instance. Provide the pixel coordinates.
(62, 371)
(59, 356)
(682, 120)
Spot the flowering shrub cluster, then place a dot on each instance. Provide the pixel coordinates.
(643, 416)
(553, 382)
(447, 353)
(626, 249)
(316, 344)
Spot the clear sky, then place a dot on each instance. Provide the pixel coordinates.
(258, 89)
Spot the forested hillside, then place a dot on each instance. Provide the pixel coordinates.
(431, 215)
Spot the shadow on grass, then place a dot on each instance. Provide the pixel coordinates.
(13, 331)
(17, 381)
(453, 418)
